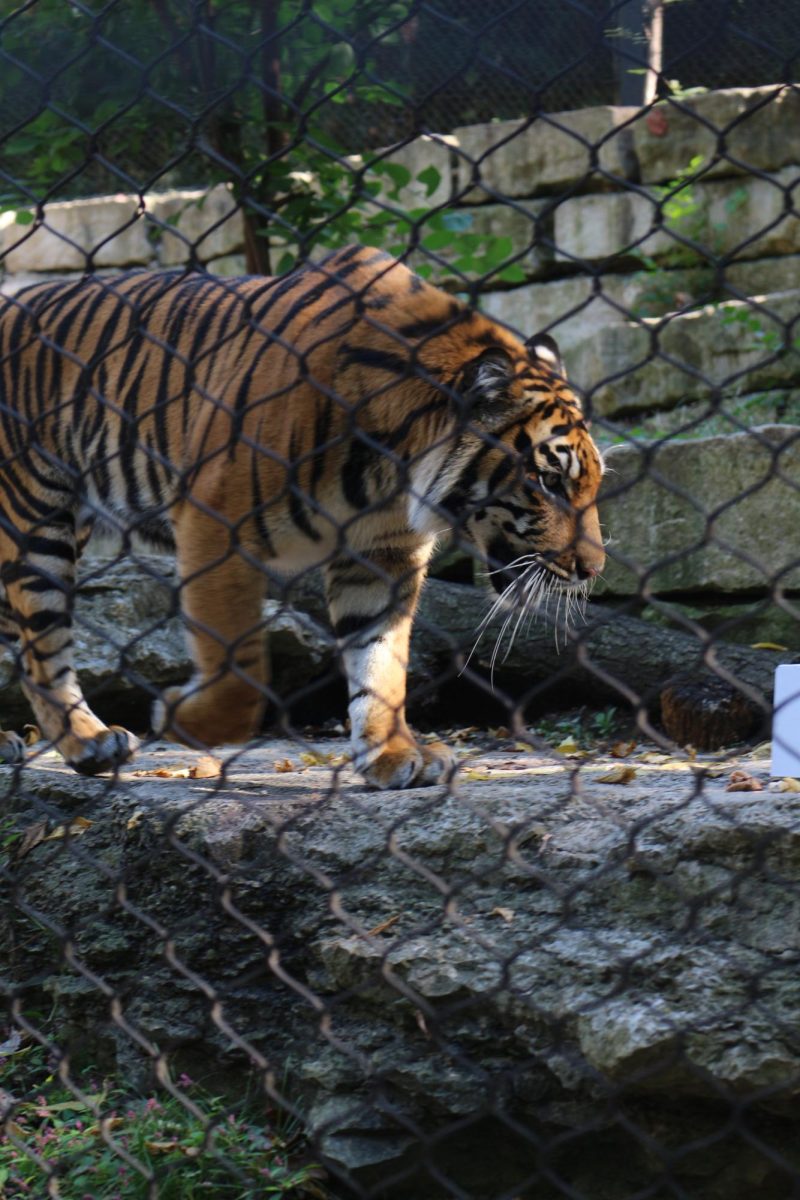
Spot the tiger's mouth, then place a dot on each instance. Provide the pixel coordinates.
(510, 571)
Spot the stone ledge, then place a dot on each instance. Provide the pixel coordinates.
(105, 231)
(661, 362)
(521, 158)
(745, 218)
(759, 128)
(528, 930)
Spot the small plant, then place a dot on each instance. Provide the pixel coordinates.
(579, 726)
(96, 1142)
(604, 723)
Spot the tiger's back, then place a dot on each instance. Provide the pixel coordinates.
(311, 419)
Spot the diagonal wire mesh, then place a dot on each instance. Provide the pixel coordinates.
(321, 321)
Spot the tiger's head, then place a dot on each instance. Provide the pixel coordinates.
(527, 497)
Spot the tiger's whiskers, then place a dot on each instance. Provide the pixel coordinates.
(525, 597)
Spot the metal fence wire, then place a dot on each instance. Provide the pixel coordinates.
(321, 321)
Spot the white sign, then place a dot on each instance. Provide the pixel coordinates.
(786, 721)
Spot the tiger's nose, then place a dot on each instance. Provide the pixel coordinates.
(586, 572)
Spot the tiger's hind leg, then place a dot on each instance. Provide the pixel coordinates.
(222, 593)
(372, 602)
(12, 747)
(38, 574)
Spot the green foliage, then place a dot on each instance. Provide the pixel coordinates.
(187, 95)
(102, 1144)
(582, 726)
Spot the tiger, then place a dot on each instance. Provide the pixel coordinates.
(340, 416)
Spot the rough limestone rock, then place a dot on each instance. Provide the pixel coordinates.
(733, 217)
(760, 130)
(655, 363)
(717, 514)
(77, 234)
(524, 158)
(528, 982)
(203, 224)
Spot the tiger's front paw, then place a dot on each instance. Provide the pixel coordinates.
(12, 749)
(106, 751)
(403, 765)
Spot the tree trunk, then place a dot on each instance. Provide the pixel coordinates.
(611, 656)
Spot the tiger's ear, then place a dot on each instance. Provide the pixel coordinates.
(545, 350)
(486, 386)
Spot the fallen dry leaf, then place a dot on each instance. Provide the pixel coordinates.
(762, 750)
(622, 749)
(315, 758)
(500, 732)
(206, 767)
(74, 828)
(741, 781)
(653, 756)
(787, 785)
(31, 734)
(568, 746)
(284, 765)
(162, 1147)
(384, 925)
(175, 772)
(620, 774)
(477, 775)
(506, 913)
(767, 646)
(32, 836)
(134, 820)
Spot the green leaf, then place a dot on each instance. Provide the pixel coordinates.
(25, 216)
(398, 174)
(438, 241)
(431, 178)
(512, 274)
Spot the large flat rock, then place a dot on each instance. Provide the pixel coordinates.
(530, 957)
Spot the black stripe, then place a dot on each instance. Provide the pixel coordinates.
(296, 507)
(44, 619)
(368, 356)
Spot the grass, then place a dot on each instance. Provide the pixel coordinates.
(95, 1141)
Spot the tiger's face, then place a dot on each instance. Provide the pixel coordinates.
(530, 504)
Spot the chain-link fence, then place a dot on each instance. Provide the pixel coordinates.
(399, 509)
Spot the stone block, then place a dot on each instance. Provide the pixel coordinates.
(569, 309)
(762, 276)
(716, 514)
(657, 363)
(604, 226)
(521, 158)
(208, 223)
(77, 235)
(733, 218)
(735, 130)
